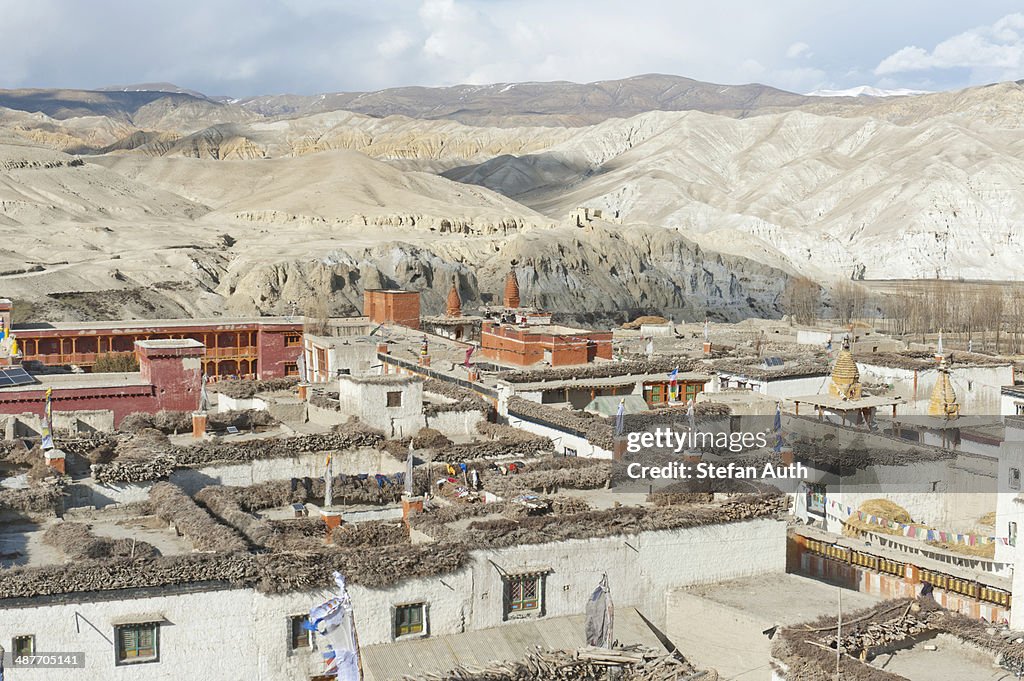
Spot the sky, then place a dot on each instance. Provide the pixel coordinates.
(250, 47)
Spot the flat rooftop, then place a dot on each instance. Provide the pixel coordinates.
(551, 329)
(488, 648)
(169, 343)
(923, 361)
(951, 659)
(75, 381)
(21, 543)
(781, 598)
(599, 382)
(112, 325)
(839, 404)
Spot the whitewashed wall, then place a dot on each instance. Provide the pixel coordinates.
(456, 422)
(978, 389)
(229, 403)
(1011, 405)
(241, 635)
(368, 401)
(780, 388)
(308, 464)
(562, 440)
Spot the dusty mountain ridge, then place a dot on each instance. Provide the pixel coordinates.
(189, 204)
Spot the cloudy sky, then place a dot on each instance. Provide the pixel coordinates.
(249, 47)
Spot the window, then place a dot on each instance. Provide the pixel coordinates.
(1020, 408)
(1014, 478)
(522, 593)
(395, 398)
(292, 339)
(137, 643)
(816, 499)
(410, 620)
(291, 369)
(570, 452)
(298, 635)
(1013, 534)
(23, 645)
(657, 394)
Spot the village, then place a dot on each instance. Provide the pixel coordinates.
(493, 494)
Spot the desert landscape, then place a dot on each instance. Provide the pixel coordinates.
(653, 194)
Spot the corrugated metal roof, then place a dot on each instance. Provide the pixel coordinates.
(511, 641)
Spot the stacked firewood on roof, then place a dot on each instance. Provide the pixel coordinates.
(587, 664)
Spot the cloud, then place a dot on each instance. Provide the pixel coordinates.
(997, 47)
(250, 47)
(798, 50)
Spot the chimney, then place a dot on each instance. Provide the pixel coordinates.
(411, 506)
(56, 460)
(332, 520)
(198, 424)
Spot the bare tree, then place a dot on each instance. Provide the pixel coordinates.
(848, 300)
(801, 299)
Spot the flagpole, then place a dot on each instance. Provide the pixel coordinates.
(329, 482)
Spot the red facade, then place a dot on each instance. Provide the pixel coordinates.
(170, 376)
(392, 307)
(247, 348)
(525, 346)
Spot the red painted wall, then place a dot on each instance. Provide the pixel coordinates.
(173, 377)
(392, 307)
(522, 347)
(53, 347)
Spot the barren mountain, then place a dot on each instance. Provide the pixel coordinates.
(181, 204)
(559, 103)
(332, 188)
(143, 109)
(830, 197)
(137, 236)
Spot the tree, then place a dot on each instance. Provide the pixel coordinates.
(112, 362)
(848, 300)
(801, 299)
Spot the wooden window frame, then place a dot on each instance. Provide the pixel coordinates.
(400, 629)
(518, 601)
(392, 394)
(294, 628)
(31, 645)
(120, 653)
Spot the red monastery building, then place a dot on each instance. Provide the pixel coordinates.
(556, 345)
(169, 378)
(258, 347)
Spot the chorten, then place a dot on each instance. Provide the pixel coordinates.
(845, 376)
(511, 297)
(943, 402)
(453, 306)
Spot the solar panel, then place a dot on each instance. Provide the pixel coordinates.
(773, 361)
(15, 376)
